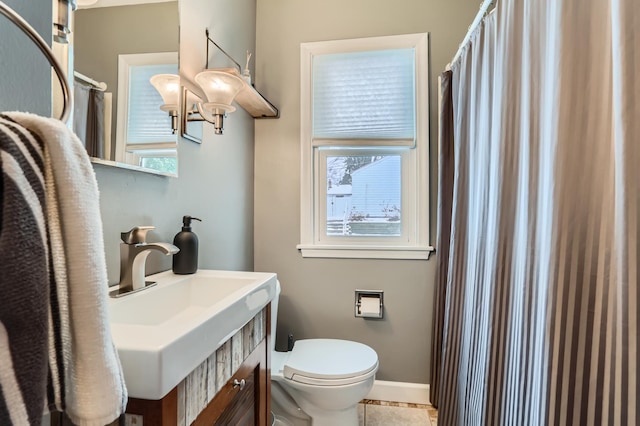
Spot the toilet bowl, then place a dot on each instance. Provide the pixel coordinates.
(320, 381)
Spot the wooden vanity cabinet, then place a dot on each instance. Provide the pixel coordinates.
(245, 399)
(163, 412)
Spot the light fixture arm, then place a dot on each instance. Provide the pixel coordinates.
(217, 118)
(210, 40)
(174, 121)
(221, 87)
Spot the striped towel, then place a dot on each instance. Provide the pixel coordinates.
(55, 340)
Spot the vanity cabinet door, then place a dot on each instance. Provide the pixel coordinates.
(242, 409)
(245, 399)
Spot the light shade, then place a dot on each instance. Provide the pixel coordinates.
(220, 88)
(168, 85)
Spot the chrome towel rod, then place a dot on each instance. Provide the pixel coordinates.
(67, 101)
(98, 85)
(484, 10)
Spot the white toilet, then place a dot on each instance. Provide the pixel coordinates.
(320, 381)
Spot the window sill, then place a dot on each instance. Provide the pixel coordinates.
(365, 252)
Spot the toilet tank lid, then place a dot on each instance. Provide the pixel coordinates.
(329, 359)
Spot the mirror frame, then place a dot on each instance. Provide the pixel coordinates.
(190, 121)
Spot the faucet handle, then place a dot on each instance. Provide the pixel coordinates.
(136, 235)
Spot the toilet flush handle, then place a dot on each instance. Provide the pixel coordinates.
(240, 383)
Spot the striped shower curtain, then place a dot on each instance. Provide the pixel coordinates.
(537, 279)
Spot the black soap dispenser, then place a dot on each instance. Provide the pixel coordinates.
(186, 260)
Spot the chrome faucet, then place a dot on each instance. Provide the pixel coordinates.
(133, 255)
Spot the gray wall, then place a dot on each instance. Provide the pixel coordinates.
(25, 82)
(102, 33)
(215, 178)
(318, 294)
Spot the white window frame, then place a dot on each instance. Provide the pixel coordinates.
(414, 243)
(125, 152)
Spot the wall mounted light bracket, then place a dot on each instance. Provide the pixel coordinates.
(221, 87)
(210, 41)
(248, 98)
(191, 120)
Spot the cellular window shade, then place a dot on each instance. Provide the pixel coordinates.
(146, 123)
(364, 95)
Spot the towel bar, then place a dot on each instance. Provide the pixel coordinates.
(14, 17)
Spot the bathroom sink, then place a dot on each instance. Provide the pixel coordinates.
(163, 332)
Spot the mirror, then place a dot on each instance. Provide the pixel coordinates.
(121, 43)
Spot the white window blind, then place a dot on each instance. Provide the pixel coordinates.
(146, 123)
(364, 95)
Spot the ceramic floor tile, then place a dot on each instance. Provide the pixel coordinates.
(433, 414)
(378, 415)
(395, 404)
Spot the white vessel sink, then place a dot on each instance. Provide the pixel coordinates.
(163, 332)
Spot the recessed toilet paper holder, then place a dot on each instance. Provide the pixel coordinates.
(369, 303)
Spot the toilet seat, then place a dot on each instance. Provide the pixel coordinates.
(329, 362)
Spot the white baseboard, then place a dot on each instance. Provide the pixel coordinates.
(414, 393)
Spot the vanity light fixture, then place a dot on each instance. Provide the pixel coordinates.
(168, 85)
(62, 10)
(222, 86)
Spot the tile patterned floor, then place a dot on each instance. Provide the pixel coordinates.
(384, 413)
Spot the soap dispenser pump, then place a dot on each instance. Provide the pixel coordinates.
(186, 260)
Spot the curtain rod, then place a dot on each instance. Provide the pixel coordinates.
(97, 84)
(484, 9)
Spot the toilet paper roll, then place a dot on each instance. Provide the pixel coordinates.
(370, 306)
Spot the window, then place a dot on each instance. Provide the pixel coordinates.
(365, 146)
(144, 135)
(164, 160)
